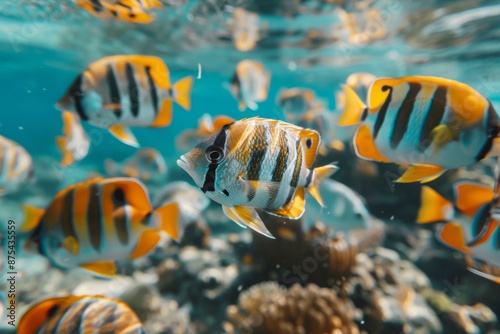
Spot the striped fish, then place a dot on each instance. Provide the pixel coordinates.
(250, 84)
(257, 163)
(121, 91)
(134, 11)
(75, 143)
(79, 315)
(477, 237)
(16, 166)
(147, 164)
(94, 223)
(430, 123)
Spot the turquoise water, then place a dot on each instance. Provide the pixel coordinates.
(44, 45)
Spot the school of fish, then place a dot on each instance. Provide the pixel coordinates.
(248, 165)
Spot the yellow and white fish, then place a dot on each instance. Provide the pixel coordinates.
(134, 11)
(245, 29)
(79, 315)
(250, 84)
(432, 124)
(258, 163)
(16, 166)
(207, 125)
(146, 164)
(75, 143)
(121, 91)
(298, 103)
(473, 229)
(94, 223)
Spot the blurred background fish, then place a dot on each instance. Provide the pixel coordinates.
(207, 125)
(147, 164)
(75, 143)
(134, 11)
(16, 166)
(250, 84)
(80, 314)
(245, 29)
(121, 91)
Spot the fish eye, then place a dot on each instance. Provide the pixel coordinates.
(214, 154)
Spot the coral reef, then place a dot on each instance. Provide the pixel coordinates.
(269, 308)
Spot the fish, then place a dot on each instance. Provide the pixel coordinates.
(133, 11)
(472, 222)
(16, 167)
(75, 143)
(126, 90)
(245, 29)
(344, 209)
(258, 163)
(250, 84)
(94, 223)
(432, 124)
(207, 125)
(146, 164)
(80, 314)
(192, 202)
(298, 103)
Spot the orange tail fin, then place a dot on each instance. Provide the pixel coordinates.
(320, 173)
(433, 207)
(169, 218)
(182, 89)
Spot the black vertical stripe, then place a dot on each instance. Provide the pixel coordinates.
(94, 217)
(383, 111)
(98, 7)
(133, 91)
(404, 114)
(120, 219)
(434, 117)
(492, 128)
(280, 166)
(220, 141)
(114, 92)
(259, 149)
(152, 90)
(76, 92)
(67, 216)
(298, 164)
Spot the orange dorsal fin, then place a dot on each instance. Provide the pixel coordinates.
(147, 242)
(421, 173)
(433, 207)
(364, 145)
(470, 196)
(182, 89)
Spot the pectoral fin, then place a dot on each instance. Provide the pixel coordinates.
(147, 242)
(364, 145)
(104, 268)
(124, 135)
(421, 173)
(248, 216)
(441, 135)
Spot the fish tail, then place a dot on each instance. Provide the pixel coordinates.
(182, 90)
(354, 108)
(32, 218)
(320, 173)
(433, 207)
(169, 219)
